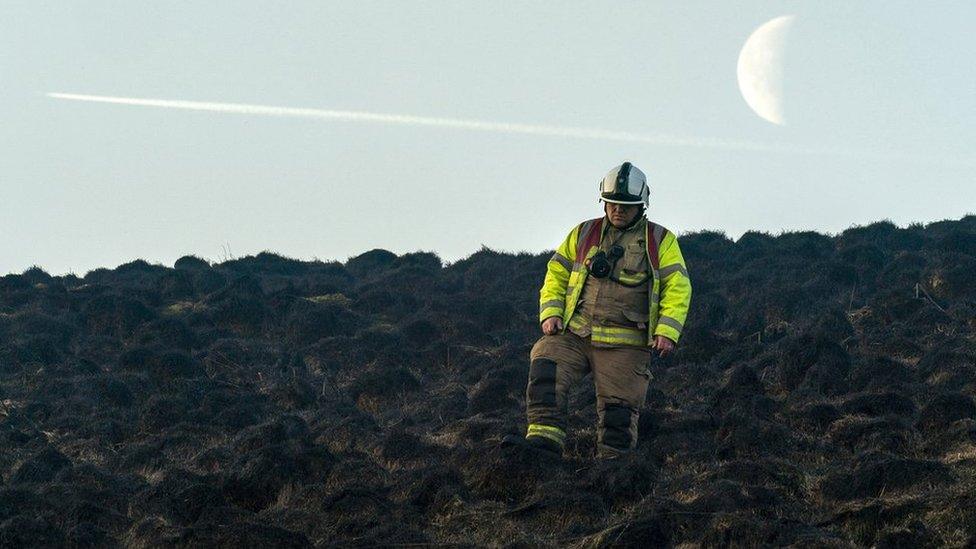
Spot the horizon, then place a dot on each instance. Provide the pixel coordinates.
(447, 262)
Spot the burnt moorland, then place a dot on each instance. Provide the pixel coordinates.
(823, 394)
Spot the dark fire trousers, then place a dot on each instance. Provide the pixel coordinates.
(621, 377)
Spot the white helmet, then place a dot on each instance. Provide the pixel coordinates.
(625, 184)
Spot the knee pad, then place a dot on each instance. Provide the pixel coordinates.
(542, 383)
(616, 425)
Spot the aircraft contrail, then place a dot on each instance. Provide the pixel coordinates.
(412, 120)
(496, 127)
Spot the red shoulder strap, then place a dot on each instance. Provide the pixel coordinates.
(589, 236)
(655, 235)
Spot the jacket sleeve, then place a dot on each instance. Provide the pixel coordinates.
(552, 296)
(675, 289)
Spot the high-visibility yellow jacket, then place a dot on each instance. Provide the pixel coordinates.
(669, 290)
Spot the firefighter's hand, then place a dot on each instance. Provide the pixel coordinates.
(664, 345)
(552, 325)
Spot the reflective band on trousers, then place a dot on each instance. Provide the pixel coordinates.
(554, 434)
(668, 321)
(620, 336)
(676, 268)
(562, 261)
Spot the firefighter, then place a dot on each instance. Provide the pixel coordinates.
(616, 291)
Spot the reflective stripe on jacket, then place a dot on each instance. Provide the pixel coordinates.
(669, 292)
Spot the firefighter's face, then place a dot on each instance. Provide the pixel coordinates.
(621, 215)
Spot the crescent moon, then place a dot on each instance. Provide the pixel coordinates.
(760, 68)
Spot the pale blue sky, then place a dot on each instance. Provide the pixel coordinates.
(84, 185)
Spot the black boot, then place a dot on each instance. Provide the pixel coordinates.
(545, 445)
(542, 445)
